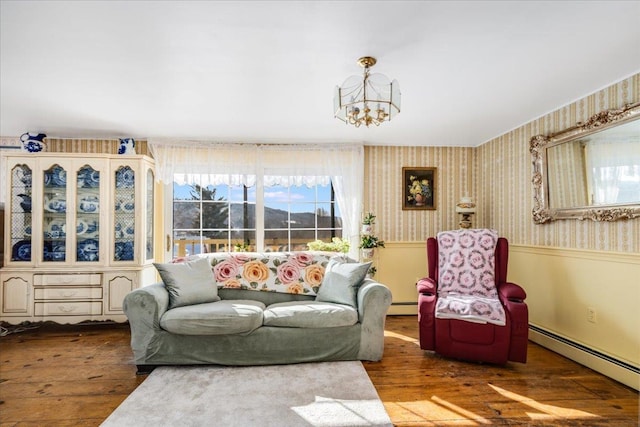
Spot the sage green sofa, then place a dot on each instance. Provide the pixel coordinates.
(265, 312)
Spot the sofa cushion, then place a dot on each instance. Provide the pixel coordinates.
(309, 314)
(341, 282)
(226, 317)
(188, 283)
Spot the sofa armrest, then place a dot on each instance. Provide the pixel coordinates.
(427, 286)
(511, 292)
(144, 307)
(374, 300)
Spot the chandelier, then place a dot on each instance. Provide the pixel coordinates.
(368, 99)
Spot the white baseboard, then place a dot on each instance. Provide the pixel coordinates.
(620, 371)
(403, 309)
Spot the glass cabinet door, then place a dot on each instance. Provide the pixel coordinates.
(87, 214)
(21, 220)
(54, 217)
(124, 214)
(149, 236)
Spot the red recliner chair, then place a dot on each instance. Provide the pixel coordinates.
(461, 339)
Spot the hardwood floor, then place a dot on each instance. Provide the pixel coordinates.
(77, 375)
(420, 388)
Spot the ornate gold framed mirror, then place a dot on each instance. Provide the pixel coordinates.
(589, 171)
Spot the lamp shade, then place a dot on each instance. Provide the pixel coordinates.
(466, 205)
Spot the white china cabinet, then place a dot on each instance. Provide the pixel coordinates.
(78, 235)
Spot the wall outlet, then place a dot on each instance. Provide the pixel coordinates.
(591, 315)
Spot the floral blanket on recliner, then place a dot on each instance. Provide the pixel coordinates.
(466, 277)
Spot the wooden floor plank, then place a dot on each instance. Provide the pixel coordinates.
(76, 375)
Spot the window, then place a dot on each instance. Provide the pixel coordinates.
(294, 216)
(263, 167)
(226, 217)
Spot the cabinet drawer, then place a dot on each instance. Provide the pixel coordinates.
(63, 308)
(61, 293)
(67, 279)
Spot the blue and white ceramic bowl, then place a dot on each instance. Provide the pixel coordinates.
(125, 178)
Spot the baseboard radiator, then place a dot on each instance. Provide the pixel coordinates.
(616, 369)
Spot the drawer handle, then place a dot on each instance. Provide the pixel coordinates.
(66, 308)
(68, 294)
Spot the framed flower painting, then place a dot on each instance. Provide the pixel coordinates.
(418, 188)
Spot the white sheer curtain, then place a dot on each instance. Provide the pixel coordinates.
(182, 161)
(284, 165)
(344, 164)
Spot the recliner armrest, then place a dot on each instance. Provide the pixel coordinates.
(427, 286)
(512, 292)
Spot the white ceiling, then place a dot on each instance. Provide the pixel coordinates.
(245, 71)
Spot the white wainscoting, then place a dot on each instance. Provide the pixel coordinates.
(564, 285)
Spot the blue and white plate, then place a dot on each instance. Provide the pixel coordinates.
(88, 250)
(54, 252)
(89, 204)
(55, 204)
(56, 229)
(22, 251)
(124, 251)
(125, 178)
(89, 178)
(56, 177)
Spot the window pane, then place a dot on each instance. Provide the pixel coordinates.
(324, 193)
(215, 240)
(185, 192)
(186, 242)
(186, 215)
(276, 240)
(302, 194)
(215, 192)
(215, 215)
(300, 238)
(275, 194)
(237, 194)
(303, 216)
(243, 215)
(337, 213)
(276, 216)
(247, 238)
(323, 211)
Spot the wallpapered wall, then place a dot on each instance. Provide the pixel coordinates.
(498, 175)
(384, 192)
(108, 146)
(503, 182)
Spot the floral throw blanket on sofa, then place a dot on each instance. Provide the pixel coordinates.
(466, 276)
(287, 272)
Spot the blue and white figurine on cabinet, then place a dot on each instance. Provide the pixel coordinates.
(33, 142)
(127, 146)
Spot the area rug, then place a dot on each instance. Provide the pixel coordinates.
(328, 394)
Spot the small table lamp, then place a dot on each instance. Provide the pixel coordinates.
(466, 208)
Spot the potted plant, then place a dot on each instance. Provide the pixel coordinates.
(368, 243)
(337, 244)
(367, 223)
(241, 247)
